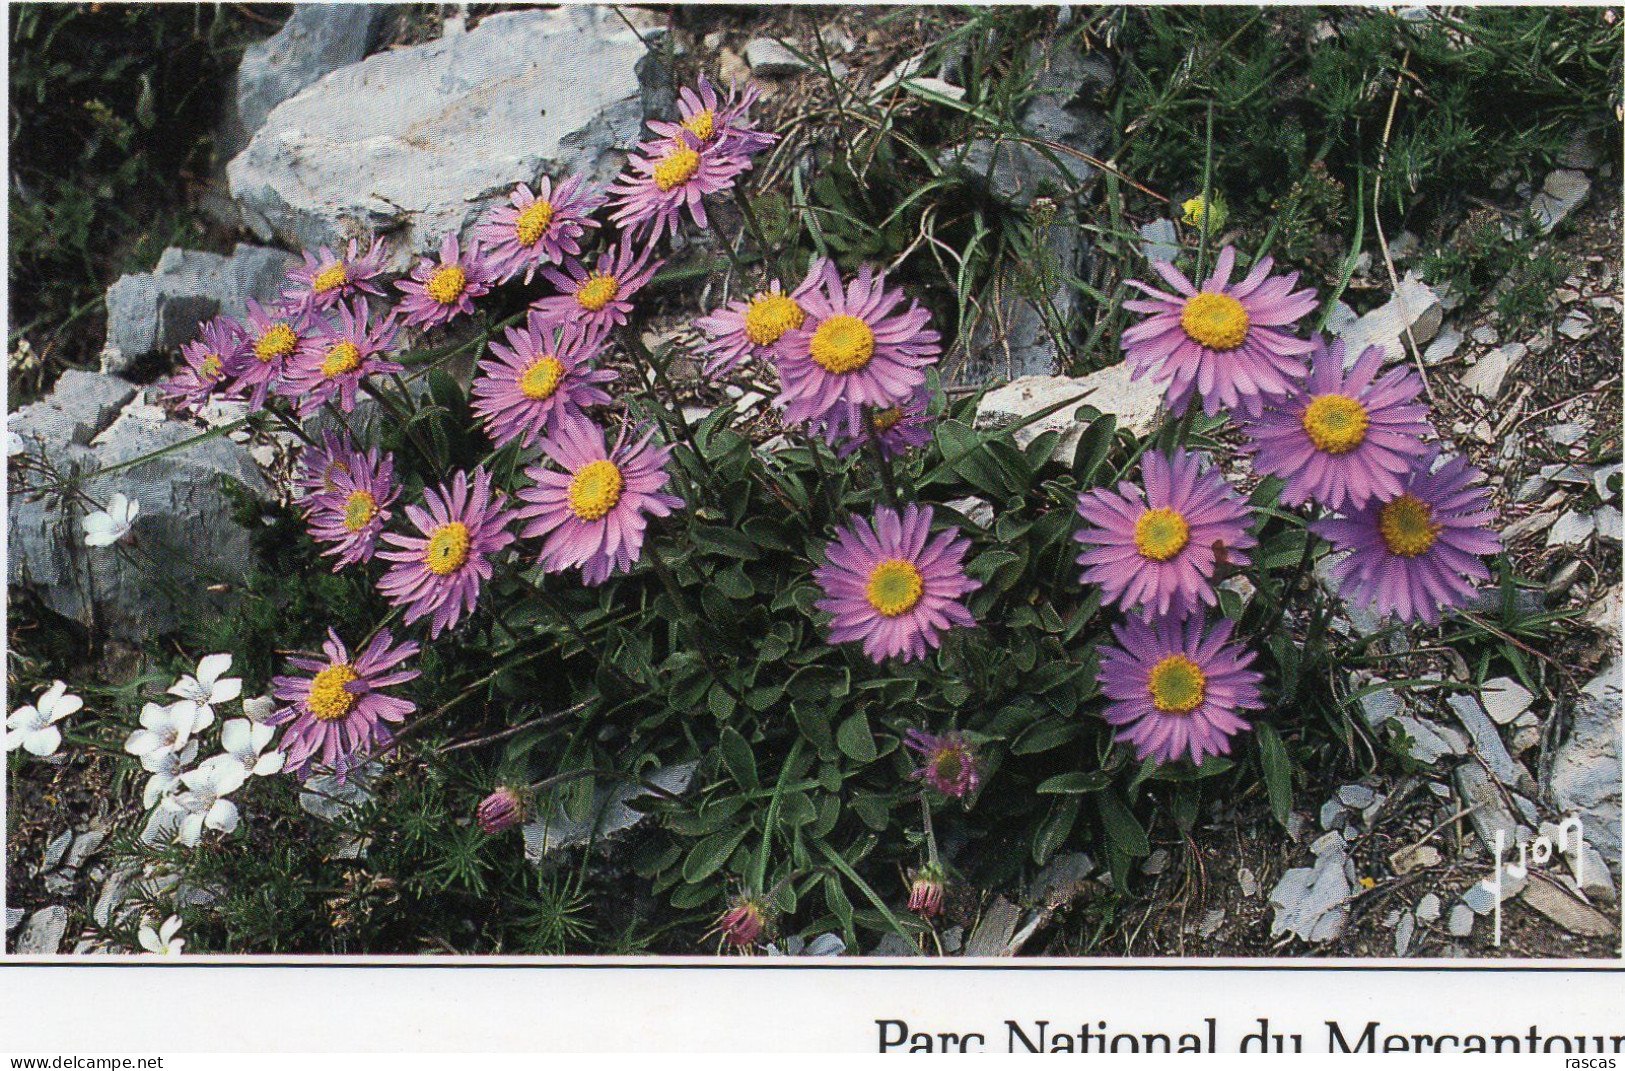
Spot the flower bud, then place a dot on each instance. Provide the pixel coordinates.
(500, 810)
(925, 895)
(743, 923)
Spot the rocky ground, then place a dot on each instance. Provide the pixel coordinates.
(349, 122)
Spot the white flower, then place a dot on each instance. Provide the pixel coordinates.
(106, 527)
(34, 728)
(258, 708)
(243, 741)
(208, 687)
(14, 443)
(205, 801)
(166, 767)
(163, 941)
(167, 728)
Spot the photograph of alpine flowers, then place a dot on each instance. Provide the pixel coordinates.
(792, 481)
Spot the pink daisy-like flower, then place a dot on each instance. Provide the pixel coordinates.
(537, 229)
(745, 329)
(889, 584)
(665, 177)
(951, 766)
(338, 360)
(325, 278)
(855, 347)
(1177, 688)
(1342, 436)
(599, 300)
(440, 291)
(1419, 553)
(1231, 344)
(275, 338)
(595, 513)
(542, 378)
(743, 924)
(721, 124)
(204, 376)
(437, 574)
(336, 713)
(353, 514)
(322, 463)
(901, 427)
(1156, 549)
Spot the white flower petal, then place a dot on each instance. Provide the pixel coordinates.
(259, 707)
(191, 830)
(171, 926)
(260, 736)
(211, 667)
(43, 742)
(226, 690)
(149, 940)
(222, 816)
(236, 734)
(14, 739)
(269, 764)
(24, 717)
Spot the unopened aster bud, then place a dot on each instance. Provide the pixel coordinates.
(925, 895)
(743, 923)
(500, 810)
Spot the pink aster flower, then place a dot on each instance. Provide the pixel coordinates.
(721, 124)
(340, 357)
(437, 574)
(353, 514)
(542, 378)
(665, 177)
(751, 328)
(322, 463)
(1176, 689)
(598, 300)
(889, 584)
(743, 924)
(951, 766)
(856, 347)
(336, 711)
(205, 373)
(1229, 343)
(594, 514)
(537, 229)
(1417, 554)
(502, 809)
(275, 337)
(439, 291)
(901, 427)
(1156, 549)
(325, 278)
(1342, 436)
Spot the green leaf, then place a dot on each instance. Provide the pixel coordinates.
(856, 740)
(966, 454)
(1094, 446)
(1277, 770)
(1056, 827)
(737, 757)
(1123, 830)
(1070, 784)
(1044, 735)
(708, 856)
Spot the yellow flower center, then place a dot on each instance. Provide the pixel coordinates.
(359, 510)
(1336, 423)
(342, 358)
(1159, 534)
(1177, 685)
(770, 316)
(595, 489)
(843, 344)
(533, 222)
(599, 291)
(330, 279)
(1217, 321)
(894, 587)
(328, 700)
(887, 419)
(447, 549)
(1407, 526)
(447, 284)
(213, 367)
(949, 764)
(542, 378)
(702, 125)
(680, 165)
(278, 342)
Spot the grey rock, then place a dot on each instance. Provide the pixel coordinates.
(774, 59)
(160, 310)
(1404, 933)
(1312, 902)
(978, 511)
(1483, 897)
(1504, 699)
(1566, 434)
(42, 934)
(1583, 774)
(1610, 524)
(1160, 240)
(1060, 877)
(1487, 377)
(1485, 335)
(1491, 816)
(1563, 191)
(324, 796)
(1427, 741)
(893, 944)
(1414, 306)
(1558, 903)
(1356, 796)
(84, 846)
(1443, 347)
(1461, 921)
(14, 917)
(316, 40)
(1571, 529)
(1031, 317)
(1108, 391)
(421, 141)
(1212, 919)
(1606, 480)
(1156, 862)
(1427, 908)
(1247, 881)
(112, 897)
(187, 538)
(609, 814)
(995, 931)
(56, 849)
(1487, 744)
(825, 944)
(1333, 815)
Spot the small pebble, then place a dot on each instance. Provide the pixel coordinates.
(1427, 908)
(1461, 921)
